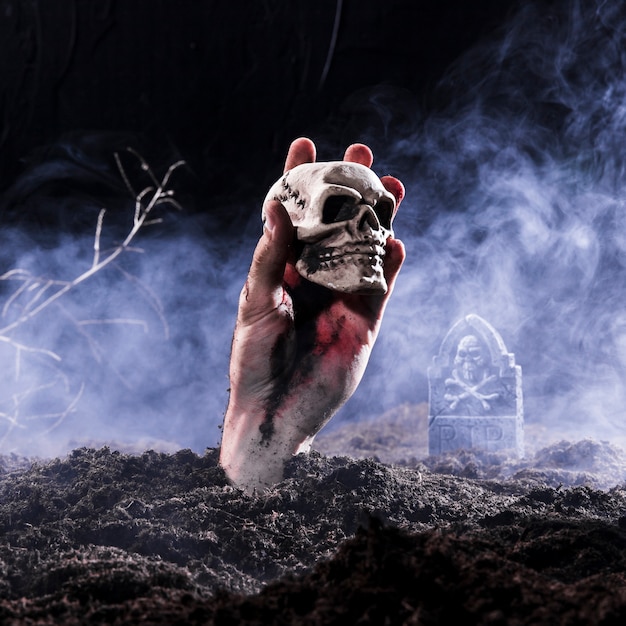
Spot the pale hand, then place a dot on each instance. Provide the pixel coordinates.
(299, 350)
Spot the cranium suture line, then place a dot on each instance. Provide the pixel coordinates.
(343, 216)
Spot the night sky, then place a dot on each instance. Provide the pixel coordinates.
(226, 85)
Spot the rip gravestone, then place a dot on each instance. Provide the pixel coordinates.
(475, 392)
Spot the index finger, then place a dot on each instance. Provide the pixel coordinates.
(301, 150)
(359, 153)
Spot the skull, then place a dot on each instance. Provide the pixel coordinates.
(343, 215)
(469, 360)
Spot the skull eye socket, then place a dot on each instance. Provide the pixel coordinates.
(384, 212)
(339, 209)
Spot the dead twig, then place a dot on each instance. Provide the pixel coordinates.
(36, 294)
(145, 202)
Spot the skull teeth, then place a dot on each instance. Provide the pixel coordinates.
(370, 253)
(368, 260)
(369, 256)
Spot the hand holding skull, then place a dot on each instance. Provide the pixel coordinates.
(301, 345)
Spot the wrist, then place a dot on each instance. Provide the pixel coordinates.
(252, 452)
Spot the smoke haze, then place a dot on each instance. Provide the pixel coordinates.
(515, 211)
(516, 200)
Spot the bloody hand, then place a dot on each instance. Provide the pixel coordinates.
(299, 350)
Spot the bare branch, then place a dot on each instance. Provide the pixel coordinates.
(24, 348)
(59, 416)
(123, 174)
(157, 194)
(96, 241)
(35, 294)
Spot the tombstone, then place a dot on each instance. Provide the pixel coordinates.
(475, 392)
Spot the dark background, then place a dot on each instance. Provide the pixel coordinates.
(456, 98)
(224, 84)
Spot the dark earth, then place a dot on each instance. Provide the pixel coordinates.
(103, 536)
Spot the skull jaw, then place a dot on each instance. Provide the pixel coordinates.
(351, 272)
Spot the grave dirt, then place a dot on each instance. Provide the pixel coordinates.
(106, 537)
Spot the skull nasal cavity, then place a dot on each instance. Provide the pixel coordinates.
(370, 219)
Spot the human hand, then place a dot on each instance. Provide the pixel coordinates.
(299, 350)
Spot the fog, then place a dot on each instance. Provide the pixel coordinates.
(515, 211)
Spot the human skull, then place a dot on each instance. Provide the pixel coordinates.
(343, 215)
(470, 360)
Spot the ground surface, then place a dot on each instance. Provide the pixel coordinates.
(153, 538)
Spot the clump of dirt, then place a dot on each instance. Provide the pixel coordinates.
(105, 537)
(400, 437)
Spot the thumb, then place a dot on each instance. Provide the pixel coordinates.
(264, 288)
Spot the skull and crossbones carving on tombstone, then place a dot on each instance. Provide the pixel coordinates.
(475, 392)
(343, 216)
(467, 390)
